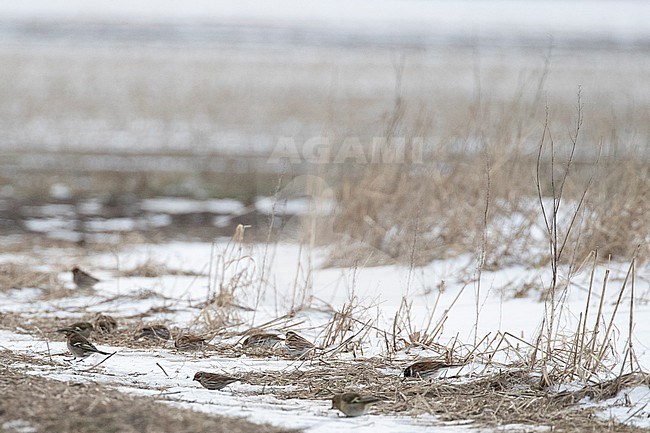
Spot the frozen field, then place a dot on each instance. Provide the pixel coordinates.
(282, 286)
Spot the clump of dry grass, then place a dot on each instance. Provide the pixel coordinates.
(384, 211)
(481, 181)
(511, 395)
(126, 335)
(18, 276)
(93, 407)
(153, 269)
(616, 219)
(232, 272)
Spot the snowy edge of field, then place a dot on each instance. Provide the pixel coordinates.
(136, 371)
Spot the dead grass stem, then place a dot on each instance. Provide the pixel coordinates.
(18, 276)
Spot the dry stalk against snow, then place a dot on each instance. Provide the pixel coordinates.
(14, 275)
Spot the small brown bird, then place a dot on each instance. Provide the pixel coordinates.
(297, 345)
(261, 341)
(155, 331)
(428, 369)
(82, 279)
(213, 381)
(80, 347)
(352, 404)
(190, 342)
(83, 328)
(105, 324)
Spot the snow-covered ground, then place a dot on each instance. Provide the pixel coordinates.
(292, 275)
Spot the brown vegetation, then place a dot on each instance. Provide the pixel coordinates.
(70, 407)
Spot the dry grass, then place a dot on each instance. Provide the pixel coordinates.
(617, 209)
(40, 403)
(18, 276)
(154, 269)
(506, 396)
(494, 395)
(437, 209)
(45, 327)
(232, 275)
(475, 188)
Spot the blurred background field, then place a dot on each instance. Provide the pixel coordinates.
(104, 105)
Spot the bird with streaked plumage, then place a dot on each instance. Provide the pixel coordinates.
(155, 331)
(353, 404)
(428, 369)
(79, 345)
(105, 324)
(213, 381)
(297, 345)
(83, 280)
(191, 342)
(83, 328)
(261, 341)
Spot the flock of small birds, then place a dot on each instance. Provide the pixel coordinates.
(351, 404)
